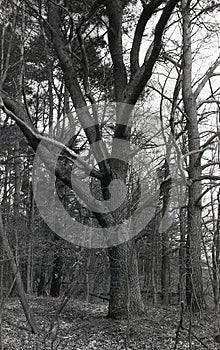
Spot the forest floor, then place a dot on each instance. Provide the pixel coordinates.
(83, 326)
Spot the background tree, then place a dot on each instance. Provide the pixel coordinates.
(72, 58)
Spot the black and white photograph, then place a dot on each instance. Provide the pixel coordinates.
(109, 174)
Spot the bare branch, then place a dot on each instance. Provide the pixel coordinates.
(167, 57)
(96, 5)
(206, 77)
(209, 141)
(210, 164)
(170, 99)
(208, 177)
(204, 193)
(210, 7)
(208, 101)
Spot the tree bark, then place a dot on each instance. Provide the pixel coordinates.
(125, 294)
(194, 288)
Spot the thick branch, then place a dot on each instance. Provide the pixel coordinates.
(66, 63)
(114, 10)
(49, 159)
(91, 129)
(34, 139)
(143, 74)
(144, 18)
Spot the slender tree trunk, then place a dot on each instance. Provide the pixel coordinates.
(57, 269)
(56, 276)
(29, 268)
(20, 287)
(165, 263)
(30, 243)
(17, 197)
(216, 260)
(194, 288)
(41, 287)
(154, 278)
(165, 280)
(58, 256)
(182, 255)
(87, 279)
(5, 269)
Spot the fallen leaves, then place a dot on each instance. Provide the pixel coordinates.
(83, 326)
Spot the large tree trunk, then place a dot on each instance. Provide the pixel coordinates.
(125, 293)
(194, 288)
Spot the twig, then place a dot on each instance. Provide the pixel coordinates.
(190, 333)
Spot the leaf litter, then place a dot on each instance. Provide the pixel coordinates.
(85, 326)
